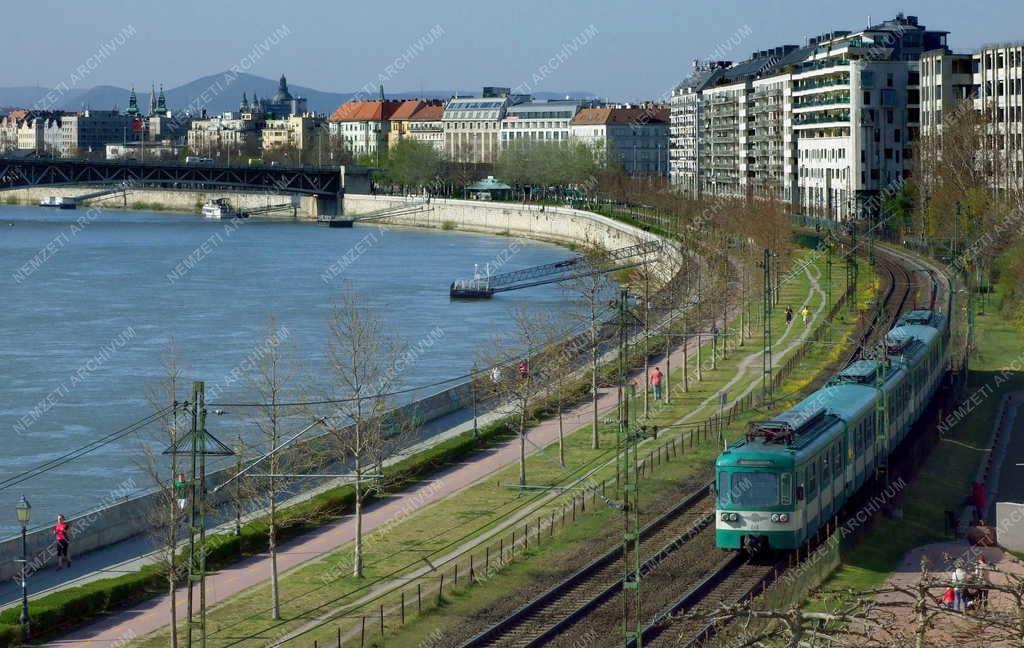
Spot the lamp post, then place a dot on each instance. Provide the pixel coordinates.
(239, 449)
(24, 510)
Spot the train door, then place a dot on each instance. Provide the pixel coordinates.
(848, 460)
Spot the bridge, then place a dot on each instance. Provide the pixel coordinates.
(37, 172)
(619, 259)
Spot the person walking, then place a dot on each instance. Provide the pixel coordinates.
(805, 313)
(60, 532)
(789, 315)
(959, 580)
(656, 382)
(982, 579)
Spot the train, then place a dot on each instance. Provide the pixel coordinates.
(788, 476)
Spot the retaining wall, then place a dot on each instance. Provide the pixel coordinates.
(126, 517)
(553, 224)
(180, 200)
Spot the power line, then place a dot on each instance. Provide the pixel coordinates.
(88, 448)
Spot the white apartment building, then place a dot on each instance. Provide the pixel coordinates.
(827, 126)
(992, 81)
(233, 132)
(363, 126)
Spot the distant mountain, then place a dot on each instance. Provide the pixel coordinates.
(215, 93)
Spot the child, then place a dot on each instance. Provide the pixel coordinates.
(948, 598)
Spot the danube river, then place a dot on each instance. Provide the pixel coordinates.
(90, 306)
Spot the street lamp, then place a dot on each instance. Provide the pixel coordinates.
(24, 510)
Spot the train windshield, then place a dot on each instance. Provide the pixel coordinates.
(756, 489)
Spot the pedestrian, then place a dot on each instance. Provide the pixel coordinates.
(60, 532)
(805, 313)
(980, 501)
(948, 598)
(656, 382)
(524, 369)
(981, 577)
(959, 580)
(789, 315)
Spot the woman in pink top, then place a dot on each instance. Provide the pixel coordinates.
(60, 531)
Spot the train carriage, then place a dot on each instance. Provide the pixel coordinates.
(789, 475)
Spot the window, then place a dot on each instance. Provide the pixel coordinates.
(867, 97)
(755, 489)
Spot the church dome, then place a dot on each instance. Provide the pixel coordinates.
(282, 94)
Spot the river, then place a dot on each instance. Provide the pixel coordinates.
(91, 303)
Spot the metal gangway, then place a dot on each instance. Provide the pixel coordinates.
(483, 287)
(396, 210)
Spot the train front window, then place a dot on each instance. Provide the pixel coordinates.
(742, 489)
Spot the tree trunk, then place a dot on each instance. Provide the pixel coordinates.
(595, 441)
(172, 583)
(522, 446)
(561, 431)
(275, 590)
(357, 558)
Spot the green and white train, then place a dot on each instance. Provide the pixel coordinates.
(790, 475)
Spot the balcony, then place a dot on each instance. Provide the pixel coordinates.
(827, 117)
(814, 101)
(815, 84)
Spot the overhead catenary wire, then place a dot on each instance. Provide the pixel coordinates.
(88, 448)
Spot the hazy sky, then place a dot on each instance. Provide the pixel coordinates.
(615, 48)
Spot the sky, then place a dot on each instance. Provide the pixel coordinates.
(617, 49)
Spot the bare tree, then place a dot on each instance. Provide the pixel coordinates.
(519, 361)
(166, 518)
(271, 378)
(589, 293)
(362, 361)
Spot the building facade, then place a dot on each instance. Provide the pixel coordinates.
(636, 137)
(472, 125)
(540, 121)
(229, 133)
(828, 126)
(427, 126)
(363, 126)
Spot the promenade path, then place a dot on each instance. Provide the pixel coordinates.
(137, 621)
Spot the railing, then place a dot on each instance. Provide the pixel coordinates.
(822, 101)
(823, 83)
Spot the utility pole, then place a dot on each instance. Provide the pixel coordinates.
(828, 283)
(766, 319)
(198, 445)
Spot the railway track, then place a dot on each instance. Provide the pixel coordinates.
(738, 578)
(549, 614)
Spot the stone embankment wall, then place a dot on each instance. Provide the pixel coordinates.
(177, 200)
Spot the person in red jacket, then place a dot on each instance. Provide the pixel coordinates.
(656, 382)
(60, 532)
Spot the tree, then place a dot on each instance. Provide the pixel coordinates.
(271, 378)
(414, 164)
(362, 364)
(165, 520)
(519, 370)
(588, 291)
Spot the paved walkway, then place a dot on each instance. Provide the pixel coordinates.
(152, 615)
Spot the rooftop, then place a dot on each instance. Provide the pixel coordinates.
(598, 116)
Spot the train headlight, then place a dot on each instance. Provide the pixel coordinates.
(784, 517)
(730, 517)
(776, 517)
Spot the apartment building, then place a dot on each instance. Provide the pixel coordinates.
(540, 121)
(298, 131)
(635, 136)
(427, 125)
(472, 125)
(363, 126)
(827, 126)
(32, 130)
(233, 132)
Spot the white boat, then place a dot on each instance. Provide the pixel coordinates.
(57, 201)
(220, 208)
